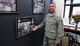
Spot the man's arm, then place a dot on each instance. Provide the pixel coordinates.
(60, 30)
(39, 26)
(42, 24)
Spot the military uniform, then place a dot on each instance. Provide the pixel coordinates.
(54, 29)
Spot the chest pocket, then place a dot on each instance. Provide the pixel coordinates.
(51, 21)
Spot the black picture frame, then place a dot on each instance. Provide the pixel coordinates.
(9, 6)
(24, 26)
(38, 7)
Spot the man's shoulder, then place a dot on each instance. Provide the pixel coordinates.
(48, 14)
(58, 18)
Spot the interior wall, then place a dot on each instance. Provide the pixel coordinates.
(8, 27)
(59, 7)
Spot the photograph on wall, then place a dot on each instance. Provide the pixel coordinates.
(38, 6)
(23, 26)
(8, 6)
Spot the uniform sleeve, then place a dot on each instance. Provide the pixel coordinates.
(42, 24)
(60, 30)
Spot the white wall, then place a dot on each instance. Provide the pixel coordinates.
(59, 7)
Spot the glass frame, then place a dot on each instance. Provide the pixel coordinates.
(68, 1)
(67, 9)
(24, 26)
(38, 7)
(76, 1)
(9, 6)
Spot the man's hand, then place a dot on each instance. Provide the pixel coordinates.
(34, 28)
(57, 42)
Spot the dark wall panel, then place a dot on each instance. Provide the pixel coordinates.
(7, 27)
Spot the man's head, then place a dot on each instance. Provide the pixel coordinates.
(52, 7)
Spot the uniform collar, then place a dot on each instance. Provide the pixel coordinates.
(54, 14)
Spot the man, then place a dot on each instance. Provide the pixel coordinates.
(54, 29)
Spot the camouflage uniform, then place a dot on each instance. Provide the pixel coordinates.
(54, 29)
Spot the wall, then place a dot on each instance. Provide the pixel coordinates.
(7, 26)
(59, 7)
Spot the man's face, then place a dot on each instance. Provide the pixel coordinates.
(52, 7)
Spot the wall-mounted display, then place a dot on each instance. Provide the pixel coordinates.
(8, 6)
(24, 26)
(38, 6)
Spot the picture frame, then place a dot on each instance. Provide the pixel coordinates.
(24, 26)
(38, 7)
(9, 6)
